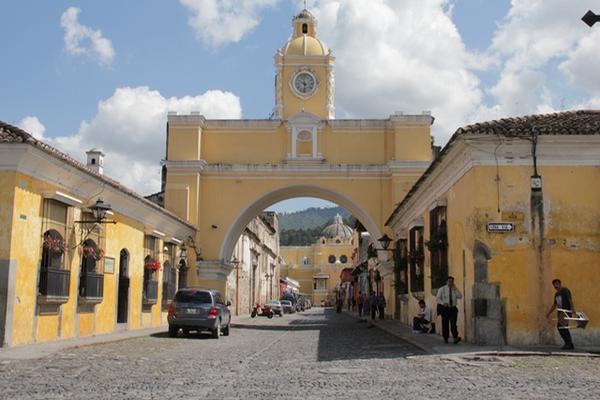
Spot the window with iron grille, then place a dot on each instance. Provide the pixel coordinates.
(401, 266)
(438, 247)
(151, 268)
(54, 276)
(416, 258)
(91, 272)
(169, 284)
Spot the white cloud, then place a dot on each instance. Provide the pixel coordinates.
(33, 125)
(583, 62)
(130, 127)
(399, 55)
(219, 22)
(534, 35)
(82, 40)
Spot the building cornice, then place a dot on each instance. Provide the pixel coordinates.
(469, 151)
(76, 183)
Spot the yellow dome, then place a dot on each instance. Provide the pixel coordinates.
(305, 46)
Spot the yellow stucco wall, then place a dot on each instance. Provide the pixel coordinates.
(318, 255)
(571, 245)
(30, 321)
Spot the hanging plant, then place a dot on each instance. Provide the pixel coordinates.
(55, 245)
(89, 251)
(437, 242)
(416, 257)
(152, 264)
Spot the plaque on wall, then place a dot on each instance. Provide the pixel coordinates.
(109, 265)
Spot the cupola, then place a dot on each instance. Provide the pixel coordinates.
(95, 160)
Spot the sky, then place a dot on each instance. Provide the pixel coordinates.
(83, 74)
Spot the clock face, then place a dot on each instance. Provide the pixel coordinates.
(304, 83)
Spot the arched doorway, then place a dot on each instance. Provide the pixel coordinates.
(123, 295)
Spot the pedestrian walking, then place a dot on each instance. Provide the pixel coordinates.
(447, 300)
(381, 305)
(360, 305)
(373, 305)
(563, 303)
(366, 307)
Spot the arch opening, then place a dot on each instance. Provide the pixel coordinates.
(285, 193)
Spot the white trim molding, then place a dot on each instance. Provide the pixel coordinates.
(62, 197)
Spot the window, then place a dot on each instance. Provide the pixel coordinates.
(193, 296)
(54, 277)
(343, 259)
(91, 271)
(53, 250)
(416, 256)
(438, 247)
(305, 260)
(401, 266)
(91, 277)
(305, 28)
(320, 284)
(151, 267)
(331, 259)
(169, 284)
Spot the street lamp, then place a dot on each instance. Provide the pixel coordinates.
(590, 18)
(99, 210)
(385, 241)
(183, 252)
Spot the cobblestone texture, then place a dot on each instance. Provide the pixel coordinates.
(313, 355)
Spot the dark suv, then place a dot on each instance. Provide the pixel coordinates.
(199, 310)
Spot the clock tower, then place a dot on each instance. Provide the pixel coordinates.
(304, 80)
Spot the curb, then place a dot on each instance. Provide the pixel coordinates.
(35, 351)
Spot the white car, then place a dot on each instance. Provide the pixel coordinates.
(276, 307)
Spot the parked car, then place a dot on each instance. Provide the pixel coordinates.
(276, 306)
(199, 310)
(288, 307)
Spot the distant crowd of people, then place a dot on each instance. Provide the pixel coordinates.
(372, 305)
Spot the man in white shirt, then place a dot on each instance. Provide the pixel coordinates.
(447, 298)
(422, 319)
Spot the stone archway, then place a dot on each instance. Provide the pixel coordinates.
(288, 192)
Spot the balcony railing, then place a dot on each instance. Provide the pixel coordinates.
(54, 285)
(91, 287)
(150, 295)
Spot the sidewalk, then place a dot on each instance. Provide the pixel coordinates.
(434, 344)
(45, 349)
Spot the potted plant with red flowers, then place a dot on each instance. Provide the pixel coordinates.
(152, 264)
(54, 245)
(89, 251)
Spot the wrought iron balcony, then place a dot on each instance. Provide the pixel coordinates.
(150, 295)
(91, 287)
(54, 285)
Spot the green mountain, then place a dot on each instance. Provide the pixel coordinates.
(303, 228)
(310, 218)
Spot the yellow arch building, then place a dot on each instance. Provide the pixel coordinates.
(221, 173)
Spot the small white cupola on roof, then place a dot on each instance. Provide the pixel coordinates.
(95, 160)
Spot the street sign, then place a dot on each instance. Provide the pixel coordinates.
(500, 227)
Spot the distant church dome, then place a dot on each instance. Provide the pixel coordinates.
(337, 229)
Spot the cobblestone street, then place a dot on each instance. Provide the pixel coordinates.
(312, 355)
